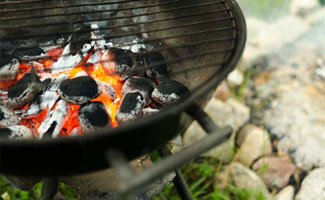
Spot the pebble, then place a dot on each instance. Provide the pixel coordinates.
(313, 186)
(253, 142)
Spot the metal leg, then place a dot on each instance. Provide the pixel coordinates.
(49, 189)
(179, 181)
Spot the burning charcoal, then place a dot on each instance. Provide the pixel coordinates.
(46, 100)
(16, 132)
(27, 53)
(168, 91)
(8, 67)
(79, 90)
(79, 38)
(149, 111)
(139, 84)
(55, 117)
(159, 71)
(7, 117)
(25, 90)
(123, 62)
(131, 107)
(109, 90)
(93, 116)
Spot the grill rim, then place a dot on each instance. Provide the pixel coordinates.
(176, 109)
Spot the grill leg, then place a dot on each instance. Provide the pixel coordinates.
(49, 189)
(179, 181)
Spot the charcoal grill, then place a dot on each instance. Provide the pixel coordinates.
(201, 40)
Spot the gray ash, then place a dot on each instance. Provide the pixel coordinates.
(93, 116)
(142, 85)
(149, 111)
(169, 91)
(131, 107)
(7, 117)
(124, 63)
(25, 90)
(16, 132)
(159, 71)
(9, 66)
(27, 52)
(79, 90)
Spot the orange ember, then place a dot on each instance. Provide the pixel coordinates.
(102, 72)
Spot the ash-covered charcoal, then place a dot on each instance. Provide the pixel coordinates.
(25, 90)
(159, 69)
(131, 107)
(79, 38)
(142, 85)
(46, 100)
(8, 67)
(7, 117)
(123, 62)
(109, 90)
(79, 90)
(169, 91)
(149, 111)
(55, 117)
(27, 52)
(16, 133)
(93, 116)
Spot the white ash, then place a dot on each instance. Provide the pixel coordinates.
(107, 89)
(9, 71)
(58, 115)
(98, 42)
(66, 61)
(94, 58)
(164, 98)
(8, 117)
(81, 73)
(45, 100)
(149, 111)
(17, 132)
(55, 82)
(3, 96)
(76, 131)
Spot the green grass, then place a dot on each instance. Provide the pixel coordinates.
(12, 193)
(200, 175)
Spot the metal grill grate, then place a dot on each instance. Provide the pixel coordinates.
(192, 35)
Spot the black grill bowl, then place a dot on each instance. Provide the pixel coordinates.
(201, 40)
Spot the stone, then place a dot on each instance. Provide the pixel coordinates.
(253, 143)
(302, 7)
(235, 78)
(230, 112)
(275, 171)
(292, 101)
(313, 186)
(222, 92)
(286, 193)
(245, 178)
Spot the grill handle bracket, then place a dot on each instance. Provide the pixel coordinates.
(132, 182)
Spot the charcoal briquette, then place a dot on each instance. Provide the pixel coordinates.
(93, 116)
(156, 60)
(16, 133)
(25, 90)
(142, 85)
(28, 52)
(8, 67)
(7, 117)
(124, 63)
(169, 91)
(79, 90)
(131, 107)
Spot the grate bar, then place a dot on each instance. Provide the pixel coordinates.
(89, 12)
(38, 1)
(123, 17)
